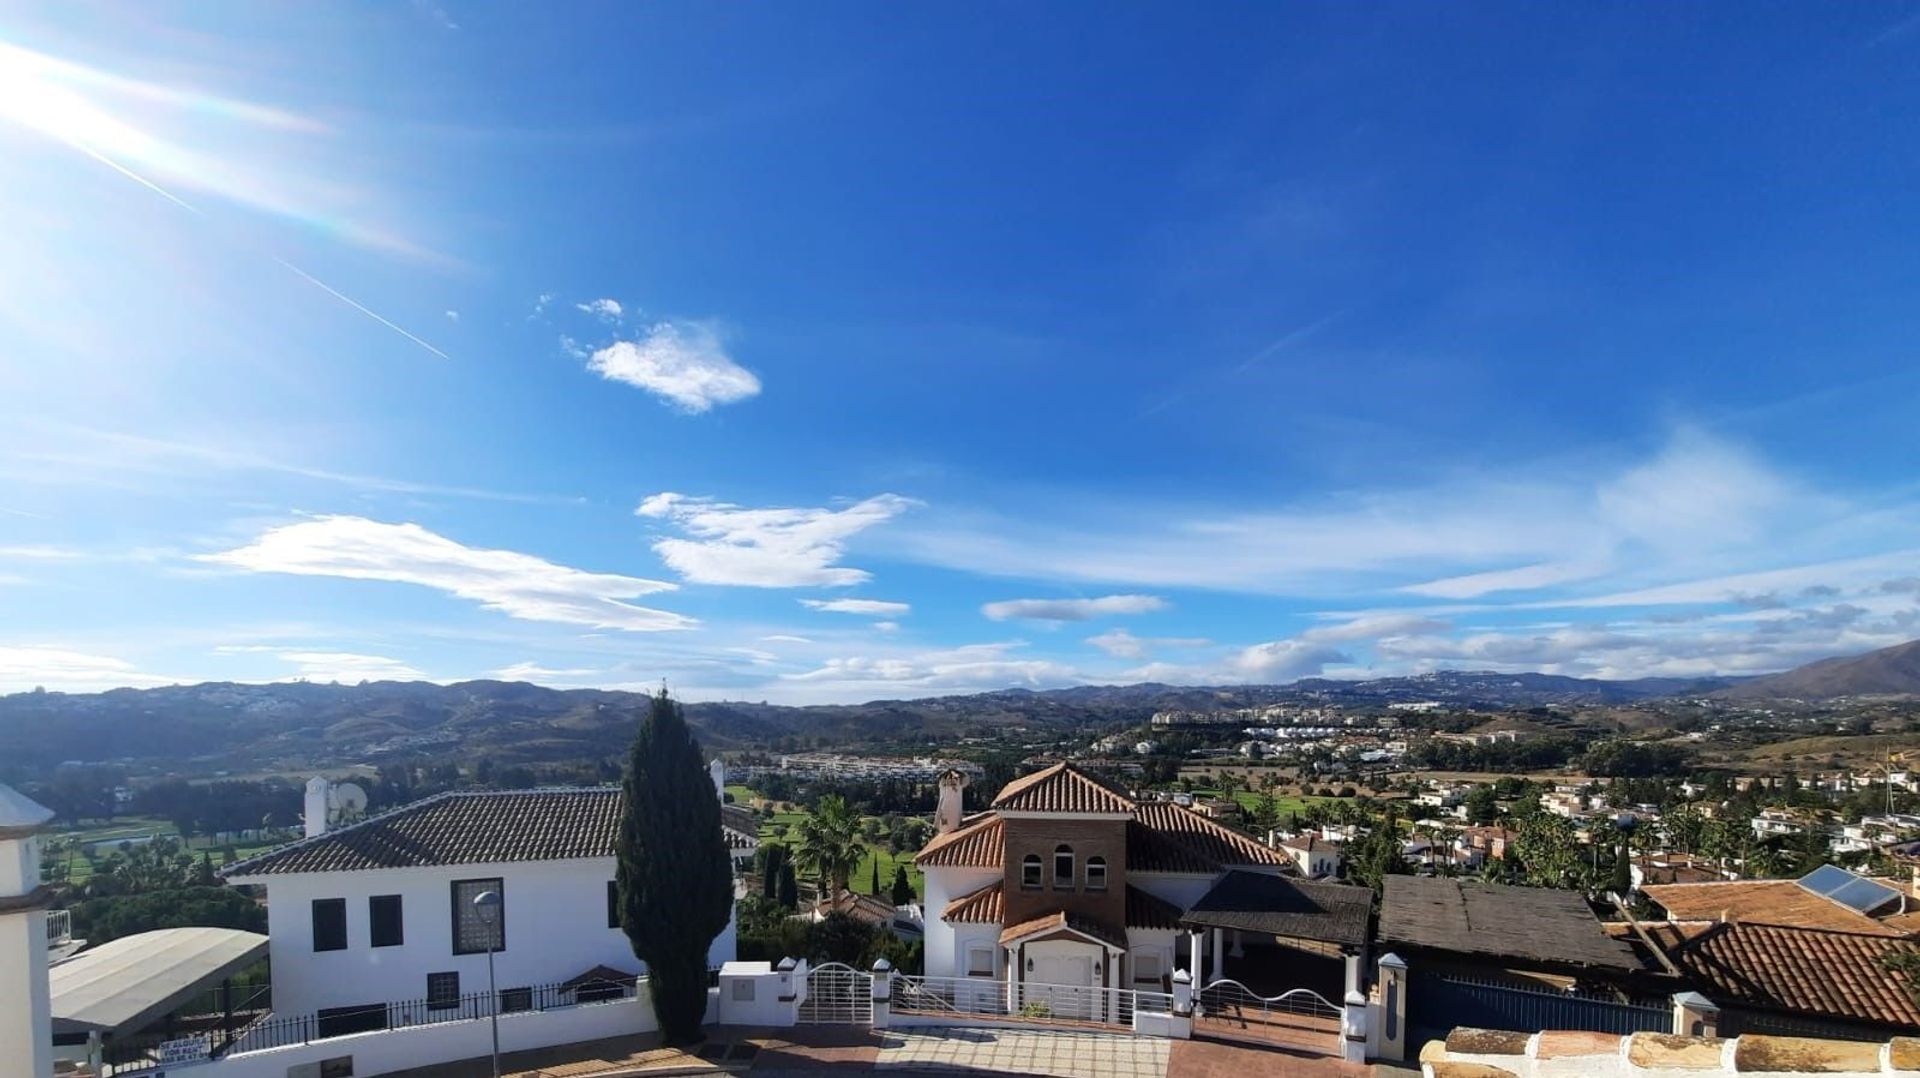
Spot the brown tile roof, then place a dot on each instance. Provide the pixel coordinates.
(869, 908)
(1211, 844)
(976, 843)
(1772, 902)
(1798, 970)
(463, 828)
(983, 907)
(1057, 922)
(1150, 911)
(1061, 788)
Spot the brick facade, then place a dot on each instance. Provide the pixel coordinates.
(1041, 836)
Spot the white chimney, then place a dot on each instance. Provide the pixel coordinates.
(946, 815)
(717, 770)
(26, 1009)
(317, 806)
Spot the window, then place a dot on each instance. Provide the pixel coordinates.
(1063, 866)
(613, 903)
(329, 924)
(1030, 871)
(443, 991)
(1148, 966)
(513, 1000)
(1096, 873)
(383, 915)
(471, 934)
(980, 961)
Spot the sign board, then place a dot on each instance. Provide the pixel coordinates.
(186, 1050)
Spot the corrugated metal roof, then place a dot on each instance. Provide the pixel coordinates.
(125, 984)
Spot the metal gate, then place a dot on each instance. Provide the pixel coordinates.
(1300, 1017)
(837, 994)
(1440, 1002)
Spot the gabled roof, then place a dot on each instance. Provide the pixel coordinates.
(1146, 910)
(465, 828)
(1061, 788)
(1773, 902)
(1271, 905)
(988, 906)
(1797, 970)
(1473, 917)
(1213, 843)
(1056, 922)
(976, 843)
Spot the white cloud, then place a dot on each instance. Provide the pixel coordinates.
(24, 668)
(1072, 609)
(1120, 644)
(453, 315)
(1524, 578)
(539, 675)
(887, 626)
(1374, 627)
(684, 362)
(877, 607)
(765, 548)
(973, 667)
(785, 638)
(348, 667)
(605, 309)
(1286, 660)
(520, 585)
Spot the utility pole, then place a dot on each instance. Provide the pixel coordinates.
(486, 905)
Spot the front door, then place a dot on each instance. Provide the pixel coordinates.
(1063, 984)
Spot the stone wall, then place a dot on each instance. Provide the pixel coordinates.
(1486, 1053)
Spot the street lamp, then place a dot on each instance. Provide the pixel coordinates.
(486, 906)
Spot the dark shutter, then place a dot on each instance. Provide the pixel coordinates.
(613, 903)
(383, 914)
(329, 924)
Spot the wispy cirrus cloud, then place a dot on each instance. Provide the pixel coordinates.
(24, 667)
(765, 548)
(516, 584)
(684, 363)
(608, 310)
(1072, 609)
(874, 607)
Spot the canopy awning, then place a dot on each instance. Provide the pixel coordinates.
(1273, 905)
(126, 984)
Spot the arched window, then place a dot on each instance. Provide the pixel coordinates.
(1030, 871)
(1096, 873)
(1063, 866)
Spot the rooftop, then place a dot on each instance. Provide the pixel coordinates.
(126, 984)
(1270, 905)
(1162, 837)
(1061, 788)
(1773, 902)
(1472, 917)
(1799, 970)
(469, 827)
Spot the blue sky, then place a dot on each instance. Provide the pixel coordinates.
(848, 351)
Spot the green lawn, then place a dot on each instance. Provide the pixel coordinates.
(775, 827)
(1286, 804)
(129, 827)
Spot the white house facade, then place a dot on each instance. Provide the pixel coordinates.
(382, 910)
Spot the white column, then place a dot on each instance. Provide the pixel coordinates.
(1194, 964)
(26, 1012)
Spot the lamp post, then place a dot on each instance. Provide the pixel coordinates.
(486, 906)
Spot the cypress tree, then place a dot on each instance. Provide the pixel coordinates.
(675, 877)
(874, 888)
(789, 886)
(902, 886)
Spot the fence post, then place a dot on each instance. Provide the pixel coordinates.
(1353, 1028)
(882, 992)
(1393, 1008)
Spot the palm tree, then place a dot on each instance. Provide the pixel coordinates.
(829, 844)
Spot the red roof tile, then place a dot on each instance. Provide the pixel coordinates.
(1061, 788)
(983, 907)
(1211, 844)
(976, 843)
(1798, 970)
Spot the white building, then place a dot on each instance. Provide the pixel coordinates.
(382, 910)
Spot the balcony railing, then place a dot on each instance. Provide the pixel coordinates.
(59, 927)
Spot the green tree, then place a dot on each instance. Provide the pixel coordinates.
(1482, 805)
(675, 877)
(829, 844)
(788, 894)
(902, 886)
(1622, 882)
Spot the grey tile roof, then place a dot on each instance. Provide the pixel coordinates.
(464, 828)
(1283, 906)
(1473, 917)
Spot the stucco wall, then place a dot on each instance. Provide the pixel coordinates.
(1087, 838)
(556, 927)
(944, 956)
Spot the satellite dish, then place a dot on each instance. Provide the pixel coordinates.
(346, 799)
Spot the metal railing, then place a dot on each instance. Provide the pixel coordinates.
(961, 998)
(1293, 1012)
(1441, 1001)
(837, 994)
(59, 927)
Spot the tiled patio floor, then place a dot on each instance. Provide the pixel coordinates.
(1021, 1051)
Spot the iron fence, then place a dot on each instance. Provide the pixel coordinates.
(961, 998)
(1438, 1002)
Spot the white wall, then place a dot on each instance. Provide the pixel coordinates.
(556, 927)
(945, 943)
(1165, 942)
(1180, 889)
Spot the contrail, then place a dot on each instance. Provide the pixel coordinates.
(290, 267)
(356, 305)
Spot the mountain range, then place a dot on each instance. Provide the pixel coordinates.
(226, 727)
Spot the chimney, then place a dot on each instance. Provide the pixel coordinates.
(316, 817)
(717, 770)
(26, 1013)
(946, 815)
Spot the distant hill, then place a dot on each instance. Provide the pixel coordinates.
(1893, 671)
(224, 727)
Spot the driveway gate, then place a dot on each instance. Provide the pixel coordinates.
(837, 994)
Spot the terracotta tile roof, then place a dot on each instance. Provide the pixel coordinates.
(1061, 788)
(869, 908)
(463, 828)
(1150, 911)
(1798, 970)
(1058, 922)
(983, 907)
(976, 843)
(1203, 840)
(1772, 902)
